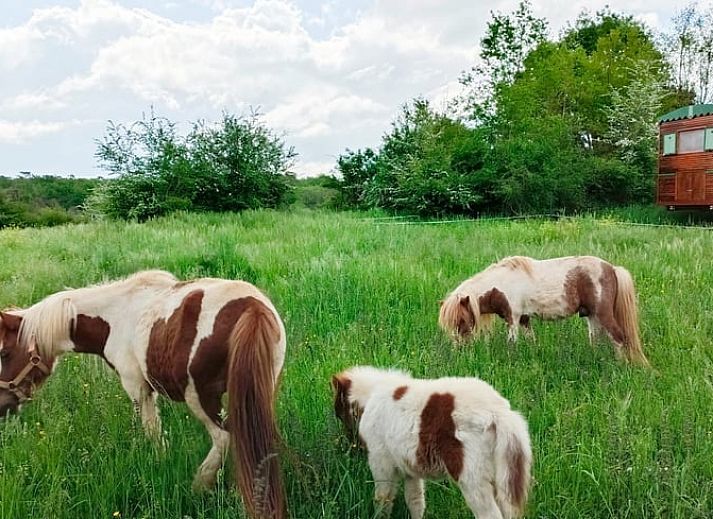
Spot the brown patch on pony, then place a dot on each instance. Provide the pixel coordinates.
(89, 335)
(580, 293)
(399, 392)
(517, 482)
(438, 447)
(208, 366)
(170, 344)
(251, 410)
(494, 302)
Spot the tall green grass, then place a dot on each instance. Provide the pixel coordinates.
(609, 440)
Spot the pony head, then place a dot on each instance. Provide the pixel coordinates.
(345, 409)
(460, 317)
(21, 368)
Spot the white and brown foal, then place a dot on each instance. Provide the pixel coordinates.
(191, 341)
(517, 288)
(423, 429)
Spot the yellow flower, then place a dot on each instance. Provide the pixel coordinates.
(116, 514)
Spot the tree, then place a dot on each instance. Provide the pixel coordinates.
(689, 48)
(508, 40)
(235, 164)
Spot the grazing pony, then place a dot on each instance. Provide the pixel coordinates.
(425, 429)
(191, 341)
(518, 287)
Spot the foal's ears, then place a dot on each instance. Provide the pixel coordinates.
(465, 300)
(11, 321)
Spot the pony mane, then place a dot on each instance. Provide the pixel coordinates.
(522, 263)
(450, 314)
(48, 323)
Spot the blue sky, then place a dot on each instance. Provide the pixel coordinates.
(328, 74)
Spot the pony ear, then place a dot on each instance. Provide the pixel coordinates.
(336, 382)
(440, 303)
(465, 300)
(12, 321)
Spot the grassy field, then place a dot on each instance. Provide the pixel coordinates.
(609, 440)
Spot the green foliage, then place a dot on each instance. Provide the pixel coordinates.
(234, 165)
(45, 200)
(609, 440)
(564, 125)
(320, 192)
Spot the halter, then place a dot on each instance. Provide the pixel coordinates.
(14, 385)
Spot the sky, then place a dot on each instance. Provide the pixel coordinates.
(327, 75)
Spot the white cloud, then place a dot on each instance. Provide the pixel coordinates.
(334, 88)
(16, 132)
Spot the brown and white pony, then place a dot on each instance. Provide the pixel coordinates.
(448, 427)
(191, 341)
(517, 288)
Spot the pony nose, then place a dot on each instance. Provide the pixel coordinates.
(7, 409)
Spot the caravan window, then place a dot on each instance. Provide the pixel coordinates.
(691, 141)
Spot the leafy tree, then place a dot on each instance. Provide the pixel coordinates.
(689, 47)
(233, 165)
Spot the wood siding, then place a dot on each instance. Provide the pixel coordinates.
(685, 179)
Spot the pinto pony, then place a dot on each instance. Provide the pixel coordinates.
(425, 429)
(191, 341)
(518, 287)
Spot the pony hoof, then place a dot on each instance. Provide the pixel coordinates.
(202, 484)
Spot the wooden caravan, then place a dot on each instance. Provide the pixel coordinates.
(685, 178)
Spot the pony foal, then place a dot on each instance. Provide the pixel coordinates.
(519, 287)
(424, 429)
(191, 341)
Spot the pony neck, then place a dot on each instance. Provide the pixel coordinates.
(365, 379)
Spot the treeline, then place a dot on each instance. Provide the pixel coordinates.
(544, 125)
(43, 200)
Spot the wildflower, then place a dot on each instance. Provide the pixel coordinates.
(116, 514)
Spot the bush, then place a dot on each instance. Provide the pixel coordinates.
(233, 165)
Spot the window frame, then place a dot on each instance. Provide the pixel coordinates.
(686, 130)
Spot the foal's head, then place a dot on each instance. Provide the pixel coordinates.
(457, 317)
(21, 368)
(347, 411)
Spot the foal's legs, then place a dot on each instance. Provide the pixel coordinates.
(415, 499)
(385, 481)
(480, 497)
(207, 472)
(513, 327)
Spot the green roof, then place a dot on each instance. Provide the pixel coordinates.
(687, 112)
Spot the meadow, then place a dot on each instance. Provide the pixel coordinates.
(609, 440)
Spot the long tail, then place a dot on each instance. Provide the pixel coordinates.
(626, 314)
(513, 460)
(251, 411)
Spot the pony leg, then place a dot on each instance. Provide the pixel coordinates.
(513, 330)
(207, 473)
(415, 498)
(616, 334)
(595, 329)
(480, 497)
(144, 399)
(525, 324)
(385, 479)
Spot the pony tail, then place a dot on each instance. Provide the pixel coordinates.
(512, 461)
(626, 314)
(251, 411)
